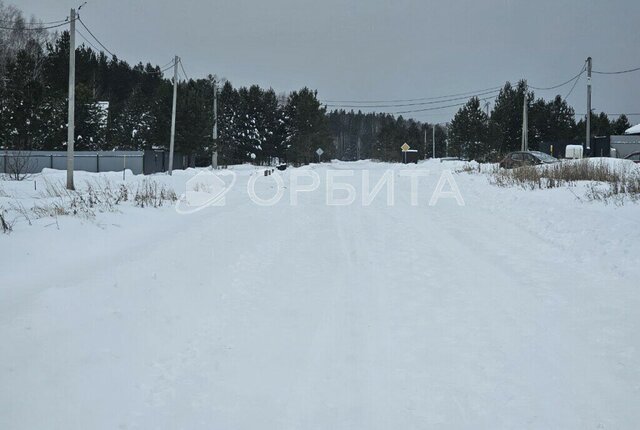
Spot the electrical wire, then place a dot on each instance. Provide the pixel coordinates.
(411, 100)
(87, 40)
(93, 35)
(163, 68)
(438, 107)
(35, 28)
(612, 114)
(616, 73)
(450, 97)
(572, 88)
(182, 68)
(159, 72)
(170, 62)
(13, 21)
(582, 70)
(413, 104)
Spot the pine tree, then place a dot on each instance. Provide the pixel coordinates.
(620, 125)
(229, 138)
(194, 119)
(505, 126)
(468, 131)
(132, 127)
(306, 127)
(22, 97)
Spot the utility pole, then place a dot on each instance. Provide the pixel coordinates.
(588, 145)
(525, 120)
(72, 98)
(433, 141)
(173, 113)
(214, 156)
(425, 142)
(215, 110)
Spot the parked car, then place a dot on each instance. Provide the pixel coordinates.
(634, 156)
(526, 158)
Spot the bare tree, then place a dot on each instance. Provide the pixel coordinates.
(18, 164)
(19, 34)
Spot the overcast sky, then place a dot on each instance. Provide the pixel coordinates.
(379, 49)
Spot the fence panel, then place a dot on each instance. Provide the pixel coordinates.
(27, 162)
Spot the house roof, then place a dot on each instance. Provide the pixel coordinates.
(633, 130)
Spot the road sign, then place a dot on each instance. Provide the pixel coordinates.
(319, 151)
(405, 147)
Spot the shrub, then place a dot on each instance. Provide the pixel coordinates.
(619, 180)
(5, 225)
(150, 193)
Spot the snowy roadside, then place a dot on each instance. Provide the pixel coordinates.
(562, 215)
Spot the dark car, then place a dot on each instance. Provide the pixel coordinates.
(526, 158)
(634, 156)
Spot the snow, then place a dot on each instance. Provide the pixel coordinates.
(517, 310)
(633, 130)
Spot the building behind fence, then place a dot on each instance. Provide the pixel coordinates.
(146, 162)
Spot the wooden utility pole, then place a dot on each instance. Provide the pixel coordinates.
(173, 113)
(72, 98)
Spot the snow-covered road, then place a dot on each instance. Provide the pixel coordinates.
(518, 310)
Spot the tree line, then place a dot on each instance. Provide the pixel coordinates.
(475, 135)
(254, 124)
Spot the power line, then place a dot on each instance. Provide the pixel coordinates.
(158, 72)
(182, 68)
(32, 24)
(411, 100)
(34, 28)
(413, 104)
(611, 114)
(96, 39)
(437, 107)
(87, 40)
(616, 73)
(450, 97)
(572, 88)
(164, 68)
(168, 63)
(562, 84)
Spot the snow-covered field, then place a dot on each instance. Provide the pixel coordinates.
(518, 310)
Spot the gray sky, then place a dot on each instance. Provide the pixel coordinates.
(379, 49)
